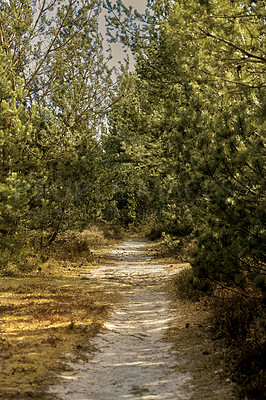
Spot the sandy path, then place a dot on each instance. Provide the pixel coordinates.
(133, 361)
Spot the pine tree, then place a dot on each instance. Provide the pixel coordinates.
(200, 66)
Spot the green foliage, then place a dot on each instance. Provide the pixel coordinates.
(54, 92)
(15, 129)
(191, 130)
(184, 143)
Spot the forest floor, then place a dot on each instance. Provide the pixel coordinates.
(109, 332)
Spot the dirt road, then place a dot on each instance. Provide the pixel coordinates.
(133, 361)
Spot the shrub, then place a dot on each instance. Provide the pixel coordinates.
(241, 320)
(250, 368)
(184, 286)
(172, 244)
(233, 313)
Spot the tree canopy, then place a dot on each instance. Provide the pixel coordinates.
(55, 91)
(178, 145)
(193, 126)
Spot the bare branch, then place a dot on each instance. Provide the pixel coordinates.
(51, 44)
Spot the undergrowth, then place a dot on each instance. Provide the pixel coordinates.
(238, 318)
(51, 308)
(184, 287)
(75, 247)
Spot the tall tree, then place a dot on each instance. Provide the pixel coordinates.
(201, 66)
(56, 90)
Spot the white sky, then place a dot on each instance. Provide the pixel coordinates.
(117, 51)
(140, 5)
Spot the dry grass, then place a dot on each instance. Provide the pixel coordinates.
(74, 249)
(240, 319)
(183, 285)
(69, 252)
(42, 320)
(231, 334)
(51, 313)
(202, 357)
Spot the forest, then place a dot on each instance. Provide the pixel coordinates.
(174, 147)
(178, 144)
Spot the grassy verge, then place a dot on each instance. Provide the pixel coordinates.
(50, 312)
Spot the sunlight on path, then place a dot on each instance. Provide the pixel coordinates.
(133, 361)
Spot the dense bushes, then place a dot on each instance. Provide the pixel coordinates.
(237, 319)
(190, 133)
(240, 318)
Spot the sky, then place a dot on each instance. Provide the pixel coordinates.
(117, 51)
(140, 5)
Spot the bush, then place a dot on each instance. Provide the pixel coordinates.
(172, 244)
(241, 320)
(233, 314)
(238, 318)
(184, 286)
(155, 233)
(250, 368)
(111, 232)
(71, 245)
(16, 255)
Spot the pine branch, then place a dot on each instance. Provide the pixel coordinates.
(233, 45)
